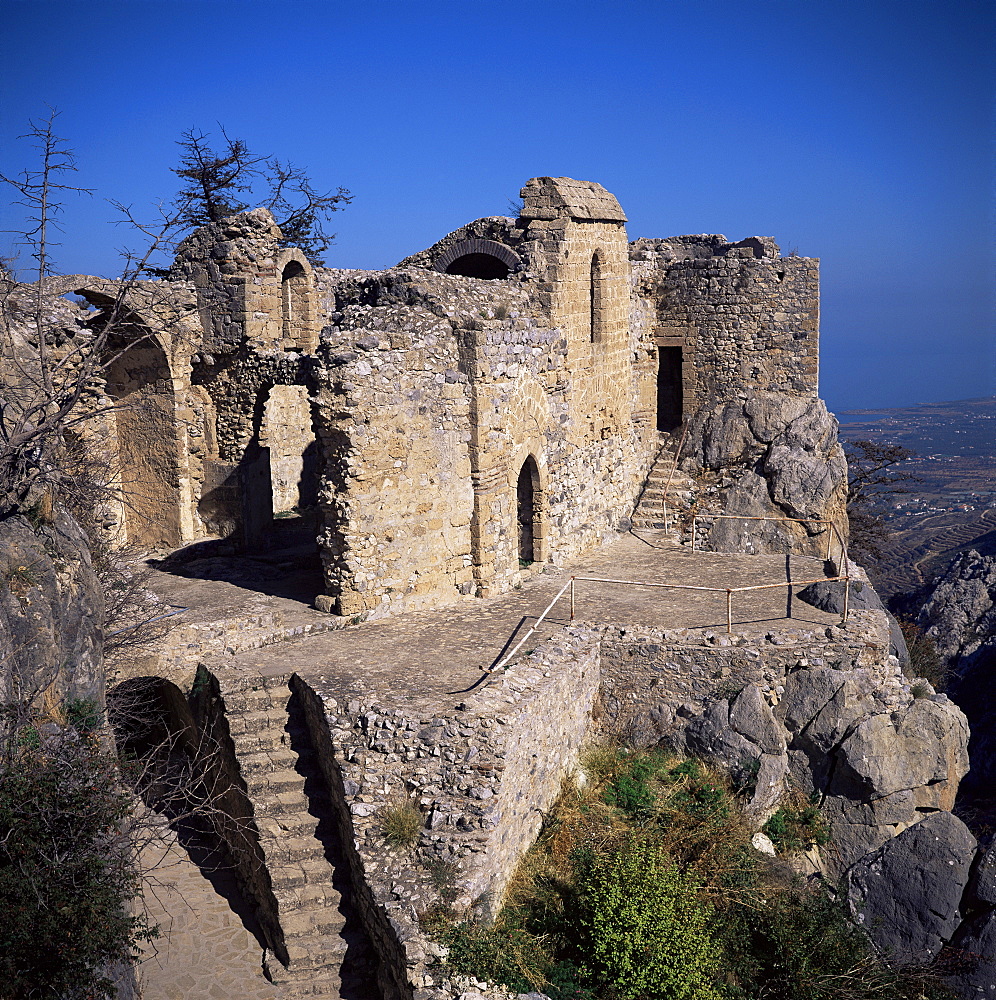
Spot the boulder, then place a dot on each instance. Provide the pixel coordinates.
(925, 750)
(783, 460)
(710, 735)
(752, 718)
(974, 952)
(907, 893)
(51, 610)
(982, 888)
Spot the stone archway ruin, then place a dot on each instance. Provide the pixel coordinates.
(140, 383)
(478, 258)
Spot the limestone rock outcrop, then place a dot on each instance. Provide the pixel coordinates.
(960, 616)
(908, 892)
(780, 458)
(51, 609)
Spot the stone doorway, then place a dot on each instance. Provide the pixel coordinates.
(670, 397)
(525, 492)
(286, 432)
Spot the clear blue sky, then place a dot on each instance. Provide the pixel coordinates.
(858, 132)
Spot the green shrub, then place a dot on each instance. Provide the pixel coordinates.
(792, 829)
(509, 957)
(803, 945)
(66, 874)
(640, 927)
(643, 886)
(630, 790)
(84, 715)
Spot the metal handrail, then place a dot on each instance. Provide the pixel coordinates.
(729, 591)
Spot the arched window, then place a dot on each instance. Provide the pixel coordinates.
(294, 300)
(527, 511)
(595, 291)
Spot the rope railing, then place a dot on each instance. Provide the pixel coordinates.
(729, 591)
(831, 533)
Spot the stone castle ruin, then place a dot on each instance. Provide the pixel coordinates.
(493, 402)
(513, 399)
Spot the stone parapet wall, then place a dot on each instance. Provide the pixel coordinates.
(652, 680)
(481, 776)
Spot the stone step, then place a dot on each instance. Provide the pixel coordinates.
(309, 896)
(280, 758)
(307, 986)
(309, 908)
(324, 922)
(290, 848)
(278, 779)
(313, 951)
(658, 490)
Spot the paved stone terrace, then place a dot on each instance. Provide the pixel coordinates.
(427, 659)
(204, 949)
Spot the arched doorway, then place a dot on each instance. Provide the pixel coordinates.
(479, 265)
(526, 495)
(140, 383)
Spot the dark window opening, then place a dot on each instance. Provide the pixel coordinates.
(670, 402)
(478, 265)
(526, 511)
(595, 299)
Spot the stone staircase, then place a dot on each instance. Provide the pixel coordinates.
(293, 818)
(649, 512)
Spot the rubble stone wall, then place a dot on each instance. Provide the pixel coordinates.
(745, 317)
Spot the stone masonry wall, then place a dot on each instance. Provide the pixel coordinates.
(394, 427)
(748, 318)
(481, 777)
(434, 390)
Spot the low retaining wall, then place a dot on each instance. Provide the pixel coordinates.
(482, 777)
(650, 676)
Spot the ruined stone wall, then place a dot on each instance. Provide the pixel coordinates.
(249, 290)
(434, 392)
(481, 776)
(745, 317)
(393, 427)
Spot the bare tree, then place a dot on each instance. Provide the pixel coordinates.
(874, 477)
(53, 355)
(217, 180)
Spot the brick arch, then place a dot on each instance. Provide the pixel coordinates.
(468, 248)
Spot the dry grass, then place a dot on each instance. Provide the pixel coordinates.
(401, 822)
